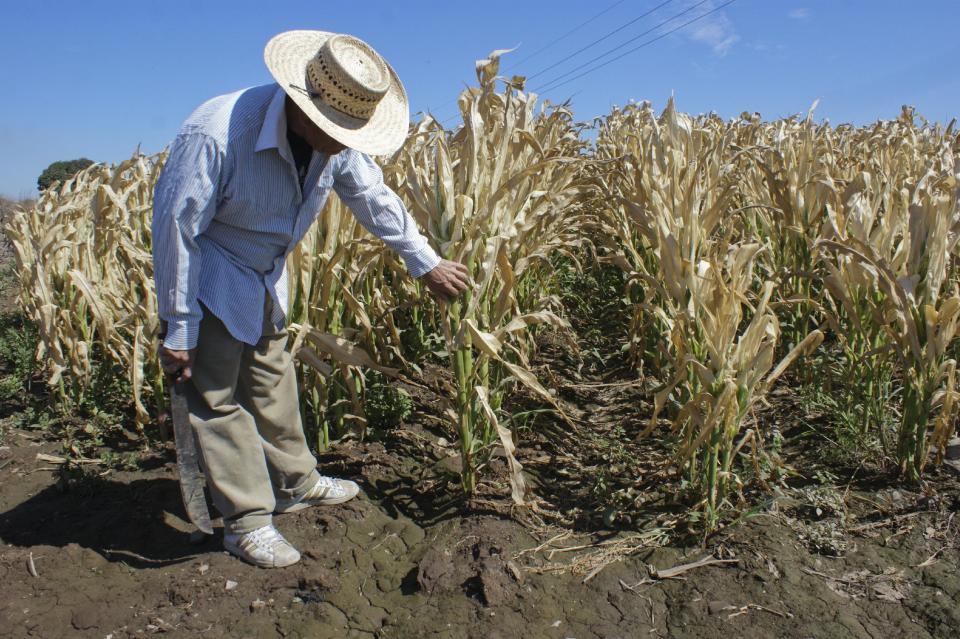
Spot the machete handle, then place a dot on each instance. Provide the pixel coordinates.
(174, 377)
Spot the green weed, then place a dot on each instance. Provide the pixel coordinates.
(384, 405)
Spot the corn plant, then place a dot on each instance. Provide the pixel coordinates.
(717, 332)
(500, 194)
(787, 183)
(86, 274)
(913, 315)
(344, 290)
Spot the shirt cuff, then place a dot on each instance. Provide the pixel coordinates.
(421, 261)
(182, 335)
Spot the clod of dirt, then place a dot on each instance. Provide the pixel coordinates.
(480, 570)
(318, 578)
(85, 618)
(85, 557)
(352, 511)
(498, 587)
(436, 570)
(179, 594)
(516, 572)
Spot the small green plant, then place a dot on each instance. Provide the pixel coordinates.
(18, 349)
(81, 479)
(384, 405)
(107, 398)
(825, 516)
(859, 405)
(10, 387)
(120, 461)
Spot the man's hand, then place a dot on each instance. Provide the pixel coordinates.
(177, 364)
(447, 279)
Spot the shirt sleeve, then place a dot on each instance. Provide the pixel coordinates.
(359, 183)
(184, 203)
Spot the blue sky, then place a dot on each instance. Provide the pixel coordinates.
(99, 78)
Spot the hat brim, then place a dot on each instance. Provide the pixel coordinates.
(287, 55)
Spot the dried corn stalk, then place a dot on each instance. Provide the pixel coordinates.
(718, 335)
(896, 267)
(500, 194)
(344, 294)
(86, 272)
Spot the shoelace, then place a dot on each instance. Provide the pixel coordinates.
(331, 485)
(265, 537)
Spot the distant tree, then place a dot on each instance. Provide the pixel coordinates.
(61, 171)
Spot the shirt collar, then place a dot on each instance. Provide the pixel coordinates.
(274, 127)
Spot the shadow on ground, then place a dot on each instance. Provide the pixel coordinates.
(136, 522)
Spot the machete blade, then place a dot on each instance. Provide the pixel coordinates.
(188, 462)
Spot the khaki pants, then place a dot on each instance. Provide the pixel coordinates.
(244, 407)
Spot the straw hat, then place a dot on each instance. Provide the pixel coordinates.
(343, 86)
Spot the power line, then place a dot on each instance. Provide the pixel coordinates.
(565, 35)
(637, 48)
(599, 40)
(557, 83)
(558, 39)
(623, 44)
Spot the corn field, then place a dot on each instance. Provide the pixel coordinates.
(747, 247)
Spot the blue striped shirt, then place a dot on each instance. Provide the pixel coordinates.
(228, 209)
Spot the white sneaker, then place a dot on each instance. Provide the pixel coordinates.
(264, 547)
(326, 492)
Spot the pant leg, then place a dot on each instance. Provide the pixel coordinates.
(267, 389)
(232, 450)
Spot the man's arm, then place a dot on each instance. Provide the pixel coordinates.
(359, 183)
(184, 203)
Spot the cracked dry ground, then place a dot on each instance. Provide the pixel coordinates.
(407, 560)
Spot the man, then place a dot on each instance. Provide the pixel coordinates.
(245, 178)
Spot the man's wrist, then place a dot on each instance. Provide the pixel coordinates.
(421, 261)
(182, 334)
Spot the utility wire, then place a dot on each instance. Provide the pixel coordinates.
(553, 87)
(565, 35)
(599, 40)
(563, 78)
(555, 41)
(625, 43)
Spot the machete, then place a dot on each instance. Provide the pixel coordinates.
(188, 460)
